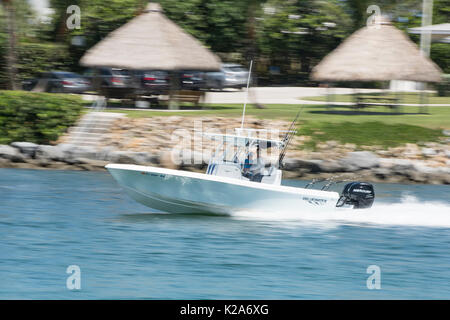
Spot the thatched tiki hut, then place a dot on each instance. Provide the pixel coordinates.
(376, 53)
(151, 41)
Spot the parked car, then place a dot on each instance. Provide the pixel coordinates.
(58, 82)
(231, 75)
(192, 80)
(152, 82)
(112, 82)
(29, 84)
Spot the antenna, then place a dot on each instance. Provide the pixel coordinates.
(246, 95)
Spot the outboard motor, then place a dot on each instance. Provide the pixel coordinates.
(359, 194)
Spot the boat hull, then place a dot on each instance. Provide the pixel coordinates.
(176, 191)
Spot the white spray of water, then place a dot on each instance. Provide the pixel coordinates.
(408, 212)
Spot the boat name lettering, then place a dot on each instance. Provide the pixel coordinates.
(315, 201)
(158, 175)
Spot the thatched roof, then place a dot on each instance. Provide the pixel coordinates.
(377, 53)
(151, 41)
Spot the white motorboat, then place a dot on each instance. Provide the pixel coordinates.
(230, 184)
(233, 181)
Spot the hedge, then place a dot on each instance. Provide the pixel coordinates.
(35, 116)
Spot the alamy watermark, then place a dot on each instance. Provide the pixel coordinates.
(374, 280)
(197, 146)
(73, 281)
(74, 20)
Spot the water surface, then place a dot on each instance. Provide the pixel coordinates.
(52, 219)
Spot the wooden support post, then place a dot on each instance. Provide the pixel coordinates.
(174, 89)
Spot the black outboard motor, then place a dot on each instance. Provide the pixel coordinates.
(359, 194)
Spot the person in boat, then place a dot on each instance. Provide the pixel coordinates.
(254, 169)
(248, 164)
(258, 166)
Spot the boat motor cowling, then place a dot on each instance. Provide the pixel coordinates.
(359, 194)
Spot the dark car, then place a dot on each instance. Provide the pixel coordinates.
(152, 82)
(112, 82)
(58, 82)
(192, 80)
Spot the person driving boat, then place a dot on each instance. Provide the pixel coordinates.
(258, 165)
(254, 169)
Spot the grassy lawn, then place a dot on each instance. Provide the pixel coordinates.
(367, 134)
(436, 118)
(406, 98)
(29, 116)
(373, 126)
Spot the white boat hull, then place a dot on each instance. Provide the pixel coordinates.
(176, 191)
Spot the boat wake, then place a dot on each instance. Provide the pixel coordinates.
(408, 212)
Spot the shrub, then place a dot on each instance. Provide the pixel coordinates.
(36, 117)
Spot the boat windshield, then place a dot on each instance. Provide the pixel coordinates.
(241, 149)
(247, 155)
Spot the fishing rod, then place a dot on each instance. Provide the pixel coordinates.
(287, 138)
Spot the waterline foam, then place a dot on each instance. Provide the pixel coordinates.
(408, 212)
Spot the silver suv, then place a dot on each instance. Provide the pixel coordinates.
(112, 82)
(231, 75)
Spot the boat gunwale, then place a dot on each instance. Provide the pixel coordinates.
(243, 183)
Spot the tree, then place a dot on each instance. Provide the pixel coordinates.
(98, 18)
(16, 29)
(290, 35)
(301, 32)
(219, 24)
(11, 54)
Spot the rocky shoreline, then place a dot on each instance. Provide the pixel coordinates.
(354, 165)
(176, 142)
